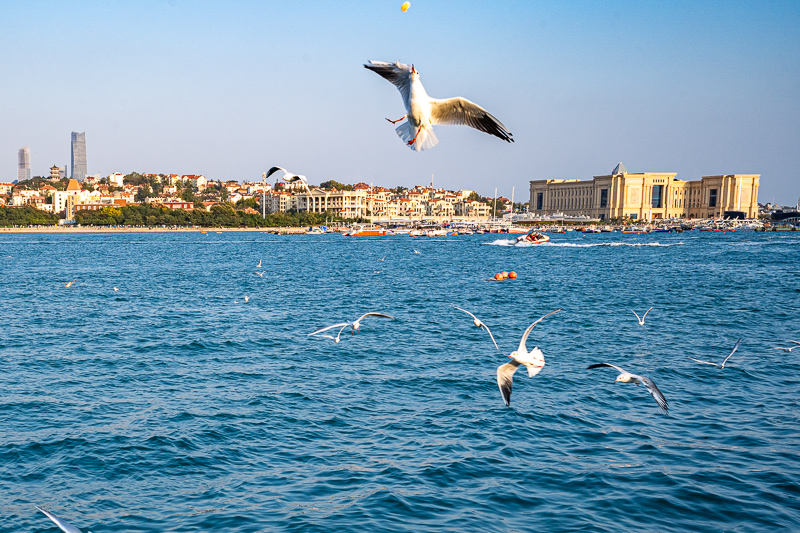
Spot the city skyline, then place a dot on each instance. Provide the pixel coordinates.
(694, 89)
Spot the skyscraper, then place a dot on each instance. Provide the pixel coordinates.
(24, 163)
(78, 160)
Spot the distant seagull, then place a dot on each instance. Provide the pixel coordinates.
(641, 320)
(478, 323)
(288, 177)
(382, 258)
(788, 349)
(355, 325)
(649, 384)
(116, 289)
(417, 252)
(422, 111)
(736, 347)
(63, 525)
(68, 284)
(246, 299)
(533, 361)
(335, 339)
(259, 264)
(261, 274)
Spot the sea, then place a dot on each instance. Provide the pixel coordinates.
(172, 405)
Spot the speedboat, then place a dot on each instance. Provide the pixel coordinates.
(533, 237)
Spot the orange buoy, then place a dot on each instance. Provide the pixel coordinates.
(504, 274)
(512, 275)
(498, 276)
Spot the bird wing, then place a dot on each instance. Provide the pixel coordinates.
(460, 111)
(637, 315)
(598, 365)
(63, 525)
(484, 326)
(326, 328)
(796, 342)
(645, 313)
(273, 170)
(537, 362)
(399, 74)
(470, 314)
(704, 362)
(736, 347)
(528, 331)
(365, 315)
(653, 390)
(505, 379)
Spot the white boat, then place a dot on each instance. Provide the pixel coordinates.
(533, 237)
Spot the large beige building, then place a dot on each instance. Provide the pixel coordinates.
(647, 196)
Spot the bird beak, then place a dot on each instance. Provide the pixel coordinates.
(413, 70)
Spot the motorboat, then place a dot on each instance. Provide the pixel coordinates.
(534, 237)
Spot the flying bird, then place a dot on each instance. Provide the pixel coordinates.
(335, 339)
(533, 361)
(246, 299)
(736, 347)
(417, 252)
(68, 284)
(480, 324)
(641, 320)
(63, 525)
(649, 384)
(423, 112)
(788, 349)
(355, 325)
(288, 177)
(116, 289)
(261, 274)
(259, 261)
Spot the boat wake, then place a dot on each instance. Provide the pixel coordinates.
(523, 244)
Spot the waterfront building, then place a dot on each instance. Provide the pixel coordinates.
(78, 157)
(647, 196)
(24, 163)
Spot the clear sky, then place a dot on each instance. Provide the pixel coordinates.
(229, 89)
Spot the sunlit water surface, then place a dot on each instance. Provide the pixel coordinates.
(168, 406)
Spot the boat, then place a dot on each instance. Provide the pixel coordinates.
(533, 237)
(435, 233)
(366, 232)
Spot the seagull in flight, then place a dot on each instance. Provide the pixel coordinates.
(288, 177)
(261, 274)
(641, 320)
(68, 284)
(382, 258)
(789, 348)
(478, 323)
(259, 264)
(423, 112)
(649, 384)
(736, 347)
(246, 299)
(355, 325)
(417, 252)
(116, 289)
(63, 525)
(533, 361)
(335, 339)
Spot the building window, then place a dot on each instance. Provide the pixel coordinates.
(602, 216)
(712, 198)
(634, 216)
(539, 201)
(603, 198)
(656, 200)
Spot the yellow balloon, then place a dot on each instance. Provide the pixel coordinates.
(405, 6)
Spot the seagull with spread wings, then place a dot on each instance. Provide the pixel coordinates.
(288, 177)
(641, 320)
(649, 384)
(788, 349)
(423, 112)
(480, 324)
(355, 325)
(533, 361)
(736, 347)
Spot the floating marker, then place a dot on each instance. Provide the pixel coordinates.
(405, 6)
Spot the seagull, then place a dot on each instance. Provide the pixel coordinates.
(261, 274)
(382, 258)
(422, 111)
(478, 323)
(246, 299)
(259, 264)
(788, 349)
(63, 525)
(641, 320)
(736, 347)
(355, 325)
(288, 177)
(68, 284)
(335, 339)
(417, 252)
(116, 289)
(533, 361)
(649, 384)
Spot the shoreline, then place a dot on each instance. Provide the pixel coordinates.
(100, 229)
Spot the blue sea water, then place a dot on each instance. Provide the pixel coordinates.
(168, 406)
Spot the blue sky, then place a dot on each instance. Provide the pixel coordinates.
(230, 89)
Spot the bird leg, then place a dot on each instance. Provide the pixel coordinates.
(396, 121)
(412, 141)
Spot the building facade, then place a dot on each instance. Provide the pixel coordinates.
(78, 158)
(647, 196)
(24, 163)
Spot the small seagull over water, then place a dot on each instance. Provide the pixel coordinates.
(259, 264)
(788, 349)
(533, 361)
(335, 339)
(649, 384)
(261, 274)
(116, 289)
(288, 177)
(736, 347)
(62, 524)
(422, 111)
(68, 284)
(478, 323)
(641, 320)
(355, 325)
(417, 252)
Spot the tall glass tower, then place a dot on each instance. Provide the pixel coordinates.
(24, 163)
(78, 160)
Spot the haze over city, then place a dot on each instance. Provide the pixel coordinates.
(229, 90)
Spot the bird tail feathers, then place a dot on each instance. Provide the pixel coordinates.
(426, 138)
